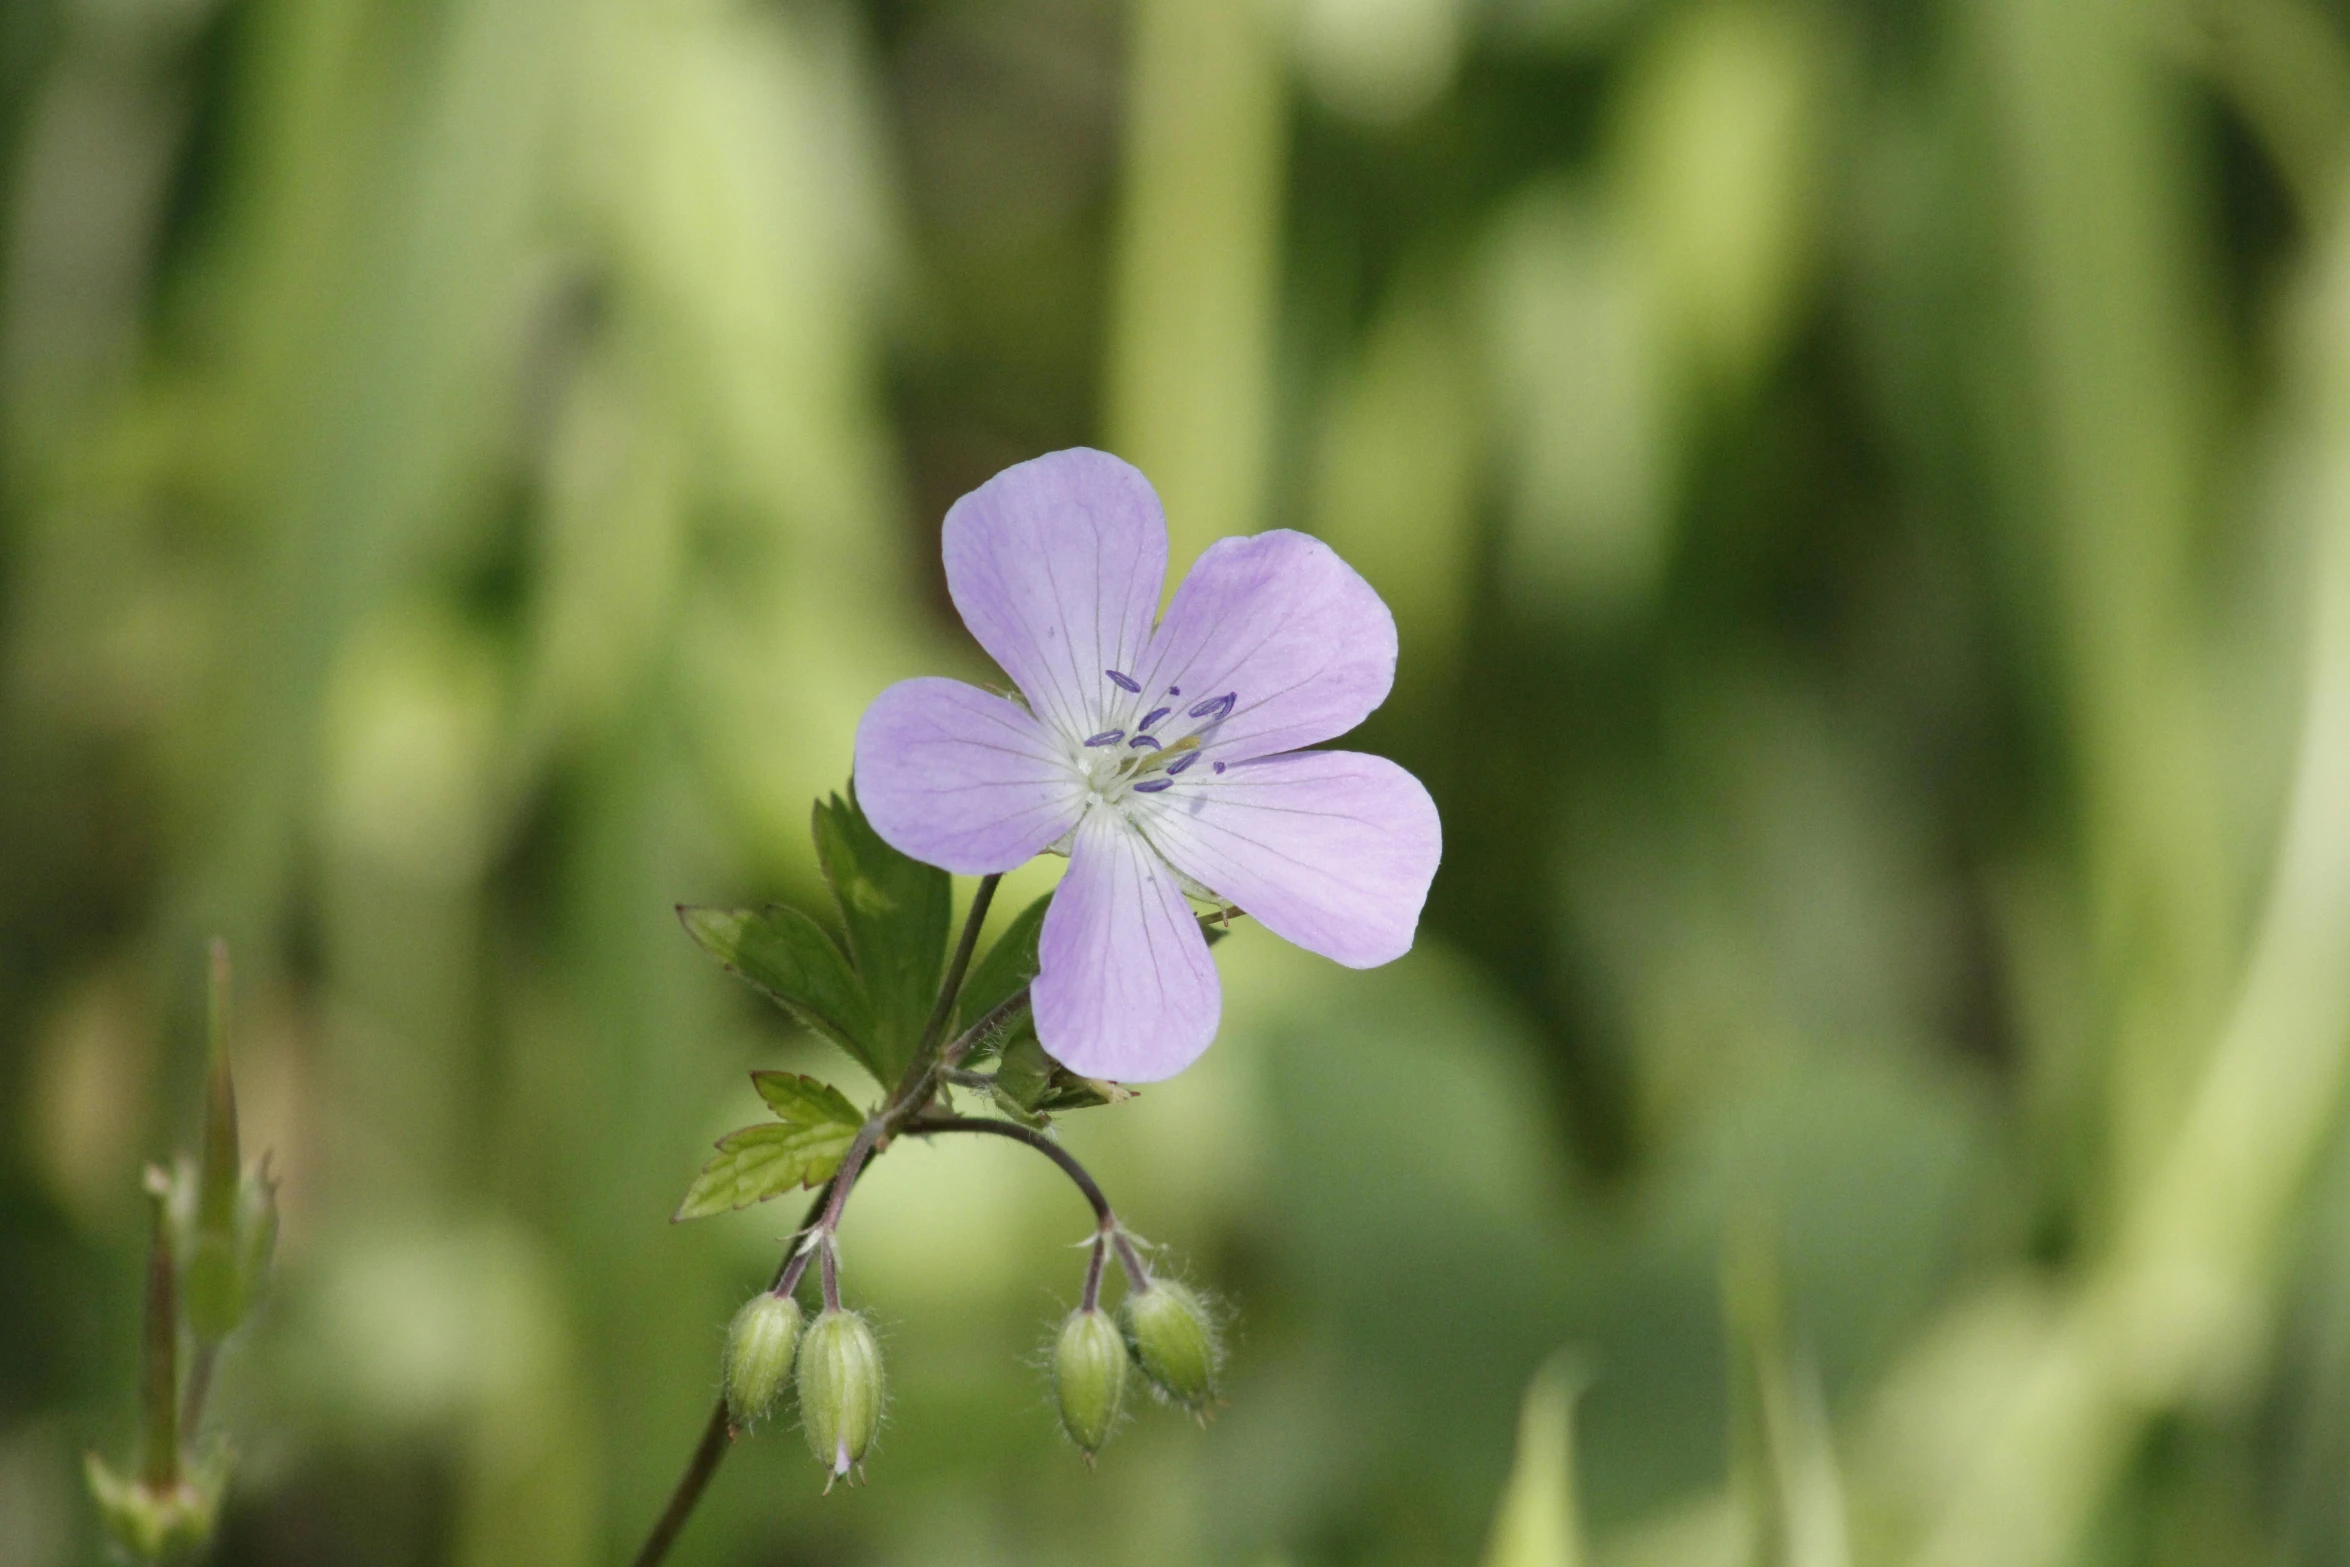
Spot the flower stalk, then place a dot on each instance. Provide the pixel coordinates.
(916, 1089)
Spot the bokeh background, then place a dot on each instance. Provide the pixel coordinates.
(1865, 487)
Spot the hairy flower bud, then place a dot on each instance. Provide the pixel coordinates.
(759, 1349)
(1089, 1378)
(1175, 1340)
(840, 1389)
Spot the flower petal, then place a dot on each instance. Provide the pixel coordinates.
(1125, 989)
(961, 778)
(1332, 850)
(1056, 565)
(1301, 641)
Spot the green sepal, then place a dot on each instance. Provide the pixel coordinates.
(789, 958)
(896, 912)
(1012, 1110)
(759, 1162)
(998, 976)
(1034, 1082)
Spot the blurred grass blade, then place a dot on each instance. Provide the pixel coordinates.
(1539, 1523)
(1782, 1452)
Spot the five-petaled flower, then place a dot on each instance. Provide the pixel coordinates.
(1164, 760)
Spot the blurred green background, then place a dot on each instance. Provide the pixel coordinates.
(1865, 486)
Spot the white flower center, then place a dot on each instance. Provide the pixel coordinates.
(1141, 754)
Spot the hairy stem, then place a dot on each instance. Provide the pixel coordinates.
(914, 1091)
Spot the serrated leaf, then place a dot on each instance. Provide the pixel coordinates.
(896, 912)
(806, 1101)
(1007, 965)
(788, 956)
(765, 1161)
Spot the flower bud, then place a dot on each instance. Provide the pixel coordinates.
(759, 1347)
(1089, 1378)
(1175, 1341)
(840, 1389)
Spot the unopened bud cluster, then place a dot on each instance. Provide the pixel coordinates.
(834, 1363)
(1162, 1332)
(1163, 1329)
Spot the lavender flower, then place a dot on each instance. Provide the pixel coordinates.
(1271, 643)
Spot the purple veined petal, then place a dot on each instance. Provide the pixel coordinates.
(1124, 989)
(1056, 565)
(962, 778)
(1301, 641)
(1332, 850)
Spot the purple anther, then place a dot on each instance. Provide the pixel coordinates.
(1181, 762)
(1216, 707)
(1153, 716)
(1107, 737)
(1123, 682)
(1139, 741)
(1174, 690)
(1219, 767)
(1154, 786)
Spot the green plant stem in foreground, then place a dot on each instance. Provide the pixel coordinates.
(914, 1091)
(907, 1110)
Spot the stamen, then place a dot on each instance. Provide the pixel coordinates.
(1219, 767)
(1181, 762)
(1108, 737)
(1123, 682)
(1216, 707)
(1153, 786)
(1139, 741)
(1153, 716)
(1174, 690)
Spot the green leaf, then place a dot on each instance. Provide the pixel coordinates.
(765, 1161)
(789, 957)
(1008, 965)
(806, 1101)
(896, 912)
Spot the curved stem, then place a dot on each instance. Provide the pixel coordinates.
(1036, 1140)
(914, 1091)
